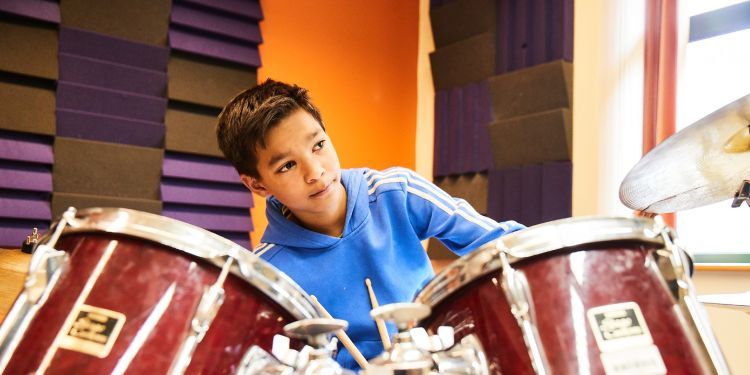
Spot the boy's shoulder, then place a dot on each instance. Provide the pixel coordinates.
(390, 179)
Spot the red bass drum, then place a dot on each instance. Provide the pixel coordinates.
(578, 296)
(116, 290)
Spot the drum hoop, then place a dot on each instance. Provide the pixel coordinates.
(533, 241)
(200, 243)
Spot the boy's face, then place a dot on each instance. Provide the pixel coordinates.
(299, 166)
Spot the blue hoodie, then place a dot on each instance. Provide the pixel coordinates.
(388, 214)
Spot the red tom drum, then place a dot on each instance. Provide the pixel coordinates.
(578, 296)
(116, 290)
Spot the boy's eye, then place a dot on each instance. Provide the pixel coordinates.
(287, 166)
(319, 145)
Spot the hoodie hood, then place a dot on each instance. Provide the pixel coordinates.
(357, 214)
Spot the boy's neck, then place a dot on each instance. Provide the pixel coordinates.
(331, 224)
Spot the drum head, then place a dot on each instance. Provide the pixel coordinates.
(546, 238)
(199, 243)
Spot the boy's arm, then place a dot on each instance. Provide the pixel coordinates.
(434, 213)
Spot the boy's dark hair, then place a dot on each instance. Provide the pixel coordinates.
(245, 121)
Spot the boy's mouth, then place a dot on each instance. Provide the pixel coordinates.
(323, 191)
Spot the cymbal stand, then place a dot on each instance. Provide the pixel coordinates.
(742, 195)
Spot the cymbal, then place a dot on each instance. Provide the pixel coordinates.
(699, 165)
(735, 301)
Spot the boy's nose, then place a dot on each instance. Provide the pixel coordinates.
(314, 172)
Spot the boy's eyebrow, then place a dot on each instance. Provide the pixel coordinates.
(275, 159)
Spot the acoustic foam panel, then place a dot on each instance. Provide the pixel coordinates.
(240, 52)
(470, 187)
(531, 194)
(25, 176)
(532, 32)
(531, 90)
(532, 139)
(26, 148)
(191, 132)
(191, 167)
(42, 10)
(89, 44)
(61, 202)
(106, 169)
(201, 81)
(211, 218)
(110, 102)
(104, 74)
(205, 193)
(218, 23)
(18, 100)
(461, 19)
(463, 62)
(28, 49)
(25, 162)
(24, 205)
(106, 128)
(249, 9)
(144, 21)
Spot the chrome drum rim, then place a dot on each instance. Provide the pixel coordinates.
(200, 243)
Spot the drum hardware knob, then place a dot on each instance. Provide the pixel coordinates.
(405, 356)
(31, 242)
(466, 357)
(317, 360)
(742, 194)
(258, 361)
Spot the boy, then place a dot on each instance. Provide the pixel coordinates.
(329, 229)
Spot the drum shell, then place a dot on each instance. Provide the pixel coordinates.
(132, 282)
(564, 285)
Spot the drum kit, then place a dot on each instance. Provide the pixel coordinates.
(112, 290)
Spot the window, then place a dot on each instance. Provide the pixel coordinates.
(715, 73)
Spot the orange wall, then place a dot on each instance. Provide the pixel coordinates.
(359, 61)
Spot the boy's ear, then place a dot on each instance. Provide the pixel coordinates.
(254, 185)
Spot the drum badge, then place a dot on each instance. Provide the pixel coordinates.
(93, 331)
(624, 340)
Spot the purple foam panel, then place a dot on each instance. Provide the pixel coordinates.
(484, 117)
(557, 190)
(512, 209)
(455, 120)
(199, 168)
(103, 74)
(532, 32)
(25, 176)
(211, 218)
(495, 185)
(531, 194)
(249, 9)
(13, 232)
(205, 193)
(103, 47)
(24, 205)
(25, 147)
(215, 47)
(469, 128)
(43, 10)
(240, 238)
(242, 29)
(98, 127)
(440, 167)
(110, 102)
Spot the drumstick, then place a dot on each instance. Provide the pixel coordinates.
(378, 322)
(343, 337)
